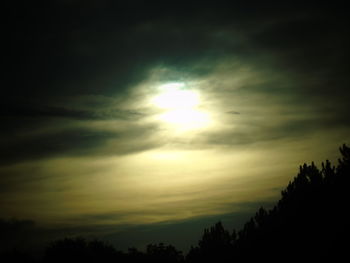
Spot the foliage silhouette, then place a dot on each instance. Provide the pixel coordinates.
(161, 253)
(308, 223)
(216, 244)
(80, 250)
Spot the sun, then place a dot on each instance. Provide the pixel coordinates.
(174, 96)
(180, 106)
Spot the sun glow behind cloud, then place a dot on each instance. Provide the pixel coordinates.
(175, 96)
(180, 107)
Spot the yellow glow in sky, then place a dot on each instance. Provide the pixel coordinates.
(181, 106)
(173, 96)
(189, 118)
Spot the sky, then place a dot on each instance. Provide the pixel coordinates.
(147, 121)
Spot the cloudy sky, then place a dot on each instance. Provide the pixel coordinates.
(147, 114)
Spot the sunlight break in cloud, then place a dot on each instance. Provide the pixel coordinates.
(180, 107)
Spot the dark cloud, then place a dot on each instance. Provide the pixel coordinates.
(75, 48)
(57, 144)
(43, 111)
(252, 132)
(233, 112)
(80, 48)
(76, 142)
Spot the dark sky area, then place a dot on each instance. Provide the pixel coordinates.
(146, 121)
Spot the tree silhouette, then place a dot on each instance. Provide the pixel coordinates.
(216, 244)
(161, 253)
(309, 222)
(80, 250)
